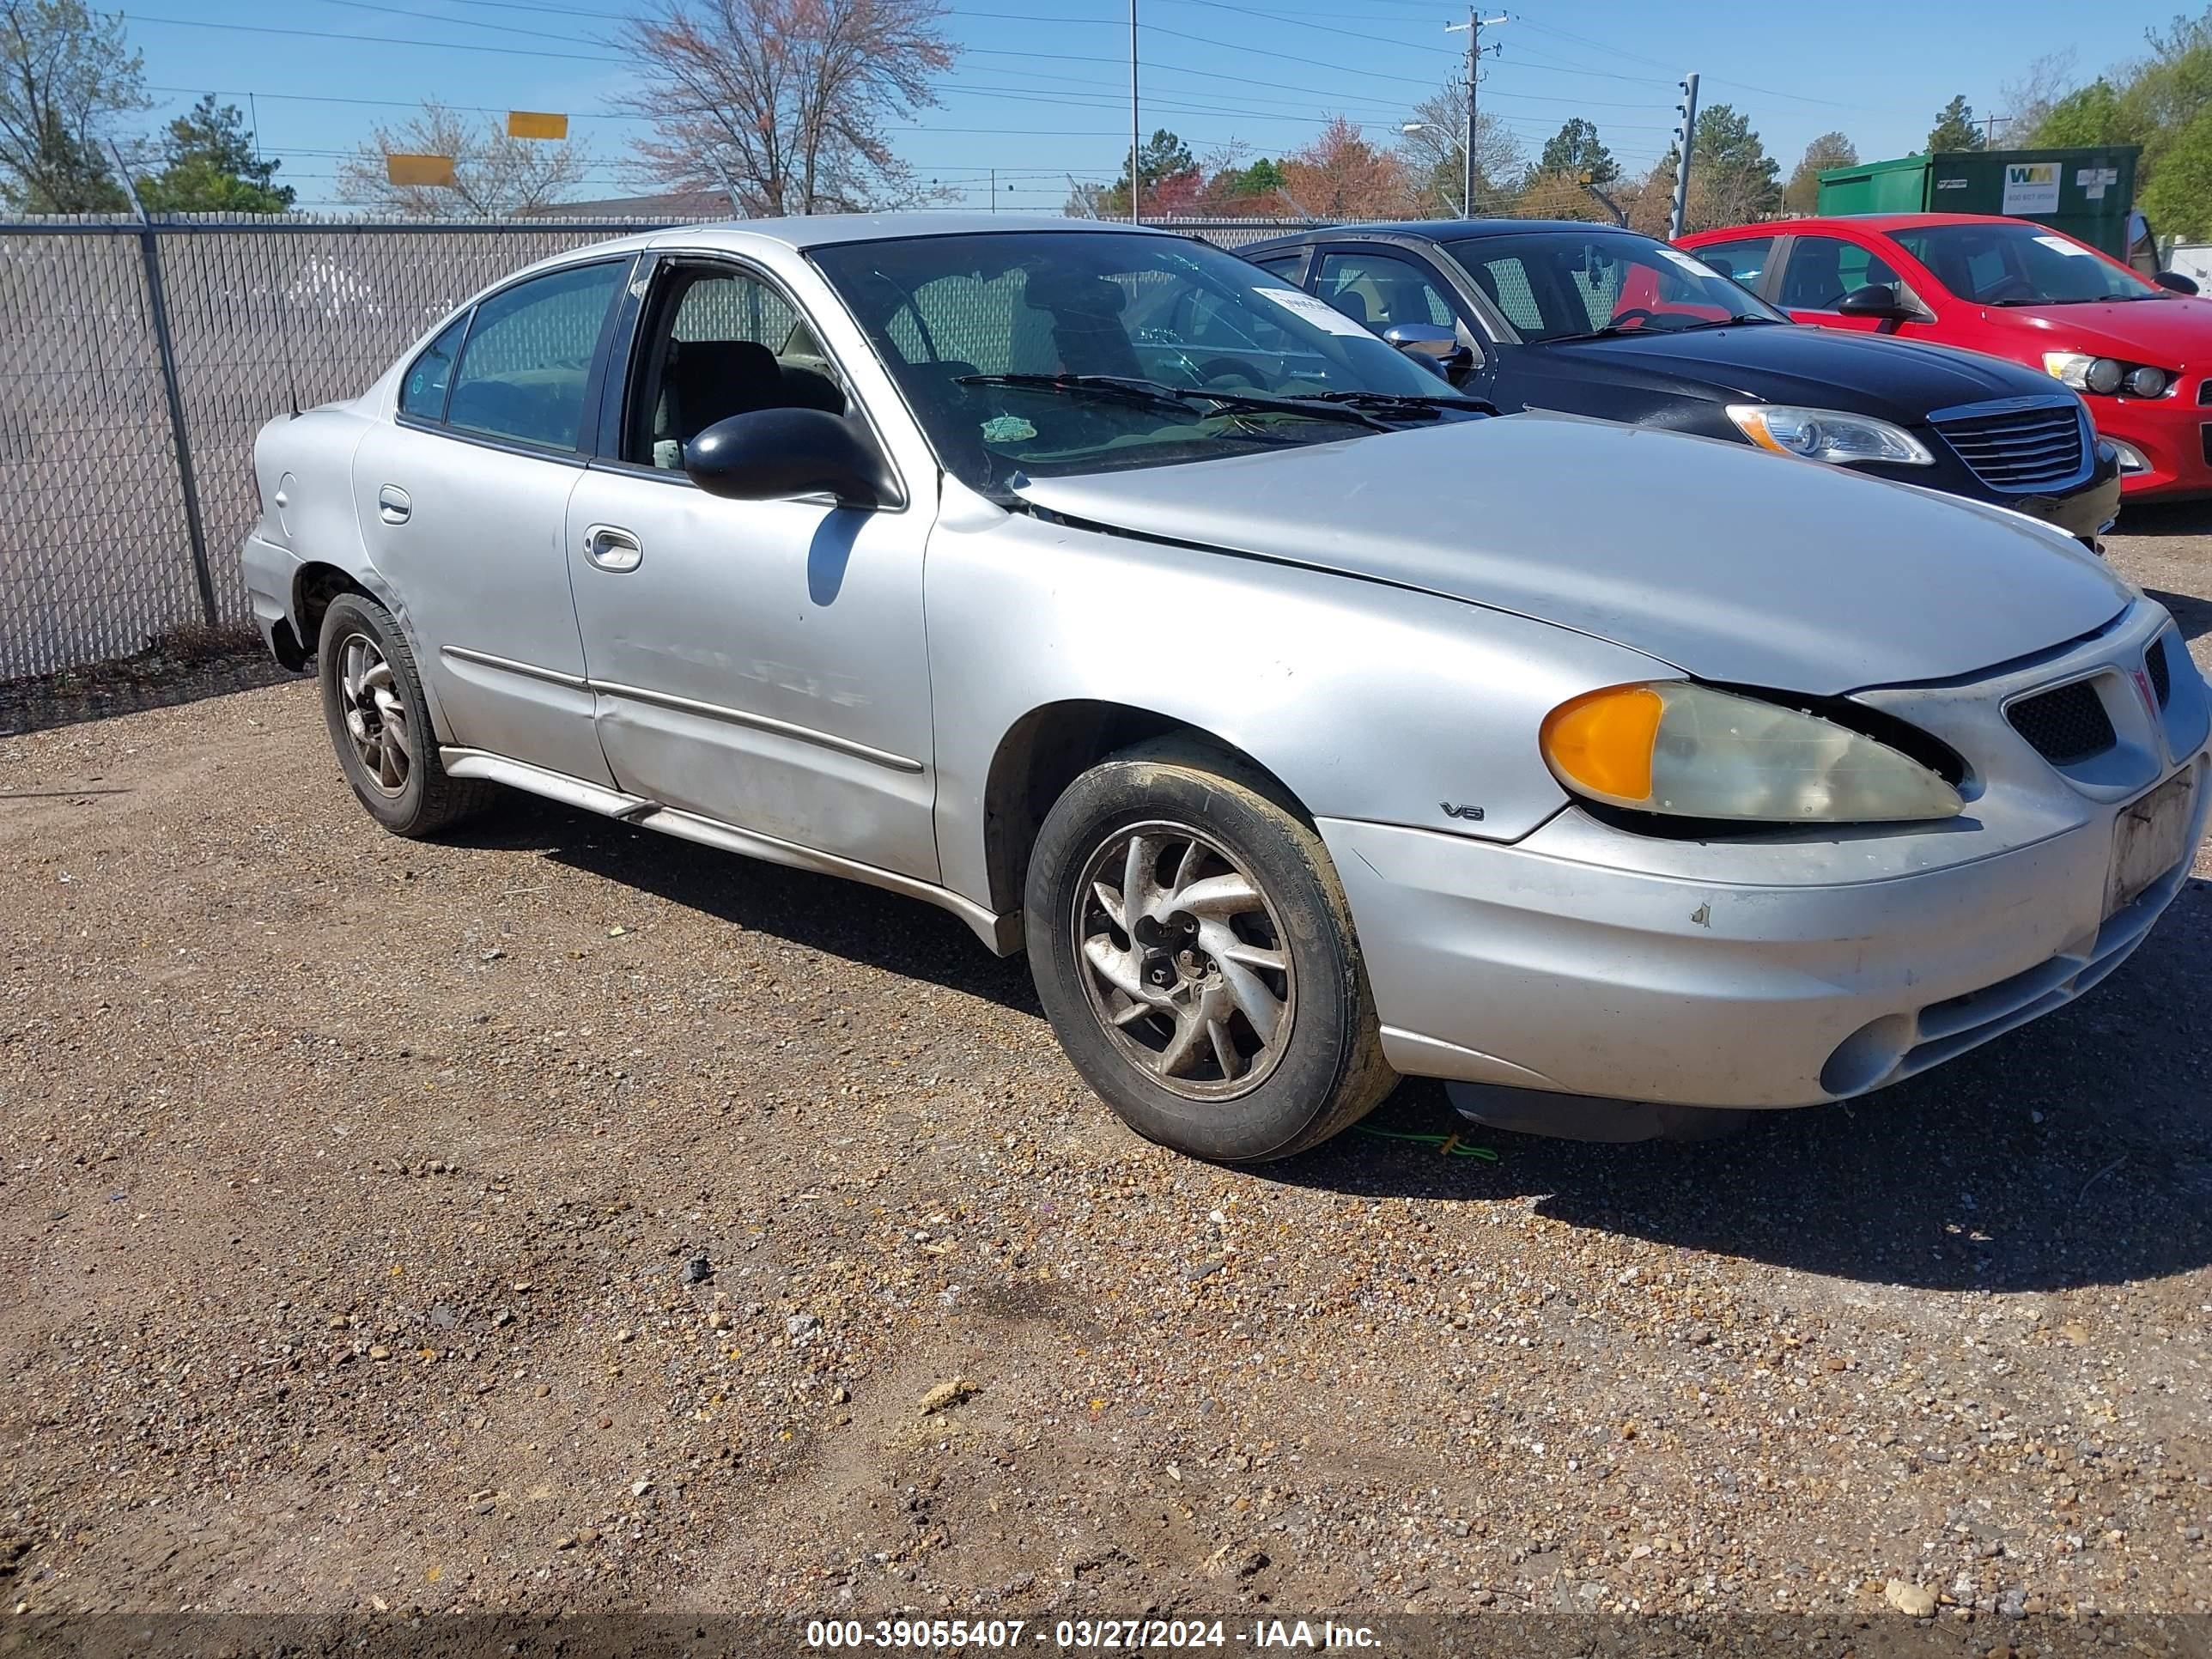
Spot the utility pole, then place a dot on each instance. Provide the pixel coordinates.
(1476, 22)
(1135, 184)
(995, 190)
(1683, 139)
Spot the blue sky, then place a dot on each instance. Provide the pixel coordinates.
(1041, 92)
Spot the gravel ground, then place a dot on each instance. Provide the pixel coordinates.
(565, 1218)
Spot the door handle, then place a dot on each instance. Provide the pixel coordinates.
(393, 505)
(612, 548)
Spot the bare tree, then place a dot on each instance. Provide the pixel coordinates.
(2028, 97)
(494, 177)
(1433, 147)
(784, 103)
(64, 75)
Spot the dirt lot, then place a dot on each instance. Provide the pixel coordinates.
(568, 1218)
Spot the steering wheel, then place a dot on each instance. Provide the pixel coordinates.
(1638, 314)
(2009, 288)
(1215, 370)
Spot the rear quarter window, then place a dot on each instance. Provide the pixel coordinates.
(423, 393)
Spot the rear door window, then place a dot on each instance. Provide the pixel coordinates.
(523, 370)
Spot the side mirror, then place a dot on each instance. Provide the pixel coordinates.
(2174, 283)
(1878, 300)
(1433, 345)
(775, 453)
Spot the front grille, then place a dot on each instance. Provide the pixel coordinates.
(2065, 725)
(2204, 390)
(2161, 673)
(2020, 449)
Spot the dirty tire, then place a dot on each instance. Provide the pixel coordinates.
(427, 800)
(1327, 1071)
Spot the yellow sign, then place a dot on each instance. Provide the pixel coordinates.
(419, 169)
(535, 123)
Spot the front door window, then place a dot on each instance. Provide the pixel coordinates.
(720, 341)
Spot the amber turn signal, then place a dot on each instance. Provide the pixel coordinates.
(1603, 740)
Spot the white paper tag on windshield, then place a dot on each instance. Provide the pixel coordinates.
(1318, 312)
(1695, 267)
(2060, 245)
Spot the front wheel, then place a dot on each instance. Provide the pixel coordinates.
(1194, 951)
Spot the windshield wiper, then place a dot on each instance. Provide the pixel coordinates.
(1158, 394)
(1746, 321)
(1411, 403)
(2075, 299)
(1633, 331)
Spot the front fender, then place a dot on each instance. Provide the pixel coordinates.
(1368, 701)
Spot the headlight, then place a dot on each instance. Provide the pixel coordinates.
(1669, 746)
(2146, 382)
(1827, 435)
(2085, 372)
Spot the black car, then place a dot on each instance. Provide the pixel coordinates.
(1587, 319)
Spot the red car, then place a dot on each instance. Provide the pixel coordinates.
(2140, 353)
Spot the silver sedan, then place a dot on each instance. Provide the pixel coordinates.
(1307, 724)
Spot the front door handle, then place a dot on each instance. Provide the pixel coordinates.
(612, 548)
(393, 505)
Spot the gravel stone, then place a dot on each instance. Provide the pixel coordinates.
(1585, 1378)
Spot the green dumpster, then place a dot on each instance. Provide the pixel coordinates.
(2085, 192)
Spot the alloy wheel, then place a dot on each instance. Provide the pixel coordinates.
(375, 715)
(1186, 965)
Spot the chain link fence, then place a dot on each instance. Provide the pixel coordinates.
(137, 360)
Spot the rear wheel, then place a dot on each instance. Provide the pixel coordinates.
(380, 723)
(1193, 948)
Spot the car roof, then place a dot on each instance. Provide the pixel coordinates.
(1875, 221)
(822, 229)
(756, 236)
(1436, 230)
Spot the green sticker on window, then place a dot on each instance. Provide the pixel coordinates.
(1007, 430)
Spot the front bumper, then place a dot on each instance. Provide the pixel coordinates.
(2171, 435)
(1592, 961)
(2085, 511)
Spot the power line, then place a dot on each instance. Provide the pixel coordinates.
(455, 22)
(371, 39)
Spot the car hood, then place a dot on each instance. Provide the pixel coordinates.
(1728, 563)
(2174, 333)
(1828, 368)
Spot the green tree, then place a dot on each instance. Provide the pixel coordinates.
(1954, 128)
(1729, 168)
(2087, 115)
(1575, 150)
(1163, 155)
(64, 76)
(1831, 149)
(2162, 102)
(1163, 161)
(1262, 177)
(210, 167)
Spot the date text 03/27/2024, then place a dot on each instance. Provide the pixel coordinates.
(1091, 1635)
